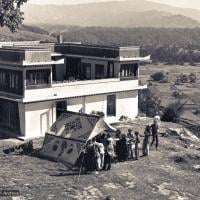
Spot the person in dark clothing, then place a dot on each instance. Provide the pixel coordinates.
(154, 128)
(109, 154)
(145, 147)
(90, 159)
(137, 141)
(118, 133)
(121, 148)
(117, 144)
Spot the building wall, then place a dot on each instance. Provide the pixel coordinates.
(38, 56)
(75, 104)
(40, 116)
(127, 104)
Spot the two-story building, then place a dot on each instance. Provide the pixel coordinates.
(40, 81)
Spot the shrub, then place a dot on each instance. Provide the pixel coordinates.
(158, 76)
(183, 78)
(197, 112)
(149, 102)
(150, 84)
(164, 80)
(173, 112)
(178, 94)
(192, 78)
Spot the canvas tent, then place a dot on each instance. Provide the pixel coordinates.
(68, 135)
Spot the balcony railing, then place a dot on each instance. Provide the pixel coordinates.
(126, 78)
(39, 86)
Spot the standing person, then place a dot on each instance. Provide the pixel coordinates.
(154, 128)
(145, 147)
(102, 154)
(117, 145)
(130, 139)
(157, 120)
(123, 150)
(98, 149)
(118, 133)
(137, 141)
(109, 154)
(103, 139)
(89, 159)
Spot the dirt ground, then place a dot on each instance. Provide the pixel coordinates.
(170, 173)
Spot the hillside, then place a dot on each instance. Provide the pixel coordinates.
(171, 172)
(135, 13)
(131, 36)
(25, 33)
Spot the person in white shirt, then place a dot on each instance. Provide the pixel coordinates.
(99, 148)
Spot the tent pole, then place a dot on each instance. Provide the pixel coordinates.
(79, 175)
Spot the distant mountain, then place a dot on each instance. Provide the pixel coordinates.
(25, 33)
(134, 13)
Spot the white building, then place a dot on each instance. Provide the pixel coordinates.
(38, 82)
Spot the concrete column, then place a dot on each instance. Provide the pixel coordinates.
(105, 69)
(22, 119)
(92, 71)
(117, 69)
(51, 76)
(24, 81)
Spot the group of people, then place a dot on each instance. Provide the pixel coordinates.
(102, 150)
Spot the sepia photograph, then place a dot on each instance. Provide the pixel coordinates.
(99, 100)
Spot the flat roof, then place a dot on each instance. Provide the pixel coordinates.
(25, 48)
(115, 47)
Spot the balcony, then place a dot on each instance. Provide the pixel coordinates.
(81, 88)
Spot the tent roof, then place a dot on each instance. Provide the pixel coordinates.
(68, 135)
(79, 126)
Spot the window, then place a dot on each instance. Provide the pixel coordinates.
(73, 68)
(11, 81)
(61, 107)
(111, 105)
(86, 67)
(110, 70)
(99, 71)
(129, 70)
(37, 77)
(2, 77)
(9, 118)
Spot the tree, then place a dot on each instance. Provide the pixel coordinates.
(173, 111)
(11, 15)
(149, 102)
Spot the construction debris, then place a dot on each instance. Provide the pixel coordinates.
(24, 148)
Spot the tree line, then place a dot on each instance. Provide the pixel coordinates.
(169, 45)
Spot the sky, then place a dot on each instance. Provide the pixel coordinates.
(67, 1)
(179, 3)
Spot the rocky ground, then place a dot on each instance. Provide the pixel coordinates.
(171, 172)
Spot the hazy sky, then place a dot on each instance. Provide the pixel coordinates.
(179, 3)
(67, 1)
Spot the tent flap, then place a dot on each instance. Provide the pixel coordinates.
(61, 149)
